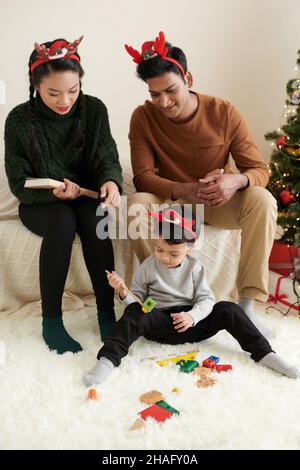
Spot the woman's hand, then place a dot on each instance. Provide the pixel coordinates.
(110, 192)
(67, 191)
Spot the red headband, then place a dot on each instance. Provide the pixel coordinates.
(58, 50)
(151, 49)
(174, 218)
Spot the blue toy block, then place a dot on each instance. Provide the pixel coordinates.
(216, 359)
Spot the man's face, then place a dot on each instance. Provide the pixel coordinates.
(170, 94)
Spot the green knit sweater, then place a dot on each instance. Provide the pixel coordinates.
(97, 163)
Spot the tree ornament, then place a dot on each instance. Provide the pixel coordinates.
(286, 197)
(281, 141)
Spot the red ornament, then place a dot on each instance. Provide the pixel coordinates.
(281, 141)
(286, 197)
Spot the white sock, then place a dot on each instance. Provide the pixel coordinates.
(275, 362)
(99, 373)
(247, 305)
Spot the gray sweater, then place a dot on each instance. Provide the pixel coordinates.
(184, 285)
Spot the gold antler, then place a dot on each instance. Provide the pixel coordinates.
(72, 46)
(42, 51)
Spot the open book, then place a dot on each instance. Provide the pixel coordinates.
(48, 183)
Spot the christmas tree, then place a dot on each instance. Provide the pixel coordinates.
(284, 170)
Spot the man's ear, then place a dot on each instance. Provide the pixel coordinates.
(189, 79)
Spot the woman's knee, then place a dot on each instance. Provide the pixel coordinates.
(61, 223)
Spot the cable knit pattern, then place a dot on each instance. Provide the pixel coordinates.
(91, 168)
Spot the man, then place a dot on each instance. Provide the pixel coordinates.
(180, 147)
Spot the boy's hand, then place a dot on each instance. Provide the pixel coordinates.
(182, 321)
(117, 283)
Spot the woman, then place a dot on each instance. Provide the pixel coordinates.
(62, 134)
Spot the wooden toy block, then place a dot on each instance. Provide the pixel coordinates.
(214, 358)
(151, 397)
(148, 305)
(209, 363)
(168, 407)
(138, 424)
(176, 390)
(157, 412)
(205, 382)
(202, 371)
(187, 366)
(187, 356)
(223, 367)
(92, 394)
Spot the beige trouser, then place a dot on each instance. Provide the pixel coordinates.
(253, 210)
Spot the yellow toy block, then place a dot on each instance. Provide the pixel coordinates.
(188, 357)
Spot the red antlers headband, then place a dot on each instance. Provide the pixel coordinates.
(172, 217)
(58, 50)
(151, 49)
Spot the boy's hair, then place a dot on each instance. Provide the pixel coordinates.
(177, 224)
(156, 66)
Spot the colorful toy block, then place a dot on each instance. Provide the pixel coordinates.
(209, 363)
(187, 366)
(176, 390)
(157, 412)
(168, 407)
(138, 424)
(223, 367)
(151, 397)
(148, 305)
(202, 371)
(205, 382)
(216, 359)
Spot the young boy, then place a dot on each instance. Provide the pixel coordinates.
(185, 304)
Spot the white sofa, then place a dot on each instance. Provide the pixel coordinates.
(19, 258)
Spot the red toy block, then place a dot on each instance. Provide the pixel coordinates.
(209, 363)
(223, 367)
(157, 412)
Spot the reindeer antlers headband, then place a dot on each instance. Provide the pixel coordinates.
(58, 50)
(172, 217)
(151, 49)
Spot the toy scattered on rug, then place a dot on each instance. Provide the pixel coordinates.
(149, 303)
(189, 355)
(160, 410)
(92, 394)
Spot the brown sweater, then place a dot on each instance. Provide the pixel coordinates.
(164, 153)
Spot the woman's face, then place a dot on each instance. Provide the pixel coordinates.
(59, 90)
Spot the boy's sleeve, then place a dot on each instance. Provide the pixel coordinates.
(204, 298)
(139, 285)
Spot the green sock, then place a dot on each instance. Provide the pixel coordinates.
(106, 320)
(57, 338)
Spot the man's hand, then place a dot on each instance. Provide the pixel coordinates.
(117, 283)
(182, 321)
(190, 191)
(67, 191)
(110, 192)
(219, 188)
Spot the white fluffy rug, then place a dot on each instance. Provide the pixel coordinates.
(43, 404)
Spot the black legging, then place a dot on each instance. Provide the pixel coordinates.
(58, 223)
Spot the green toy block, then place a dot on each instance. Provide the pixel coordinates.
(166, 406)
(187, 366)
(148, 305)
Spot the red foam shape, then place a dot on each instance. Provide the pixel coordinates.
(157, 412)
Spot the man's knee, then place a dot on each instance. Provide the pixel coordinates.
(261, 197)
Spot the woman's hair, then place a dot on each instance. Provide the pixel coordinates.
(176, 233)
(35, 77)
(156, 66)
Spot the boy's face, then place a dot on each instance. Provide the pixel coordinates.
(170, 94)
(170, 256)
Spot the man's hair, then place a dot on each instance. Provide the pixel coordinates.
(156, 66)
(175, 234)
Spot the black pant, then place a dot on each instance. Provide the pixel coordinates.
(58, 223)
(158, 326)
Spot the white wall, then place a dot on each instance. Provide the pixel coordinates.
(241, 50)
